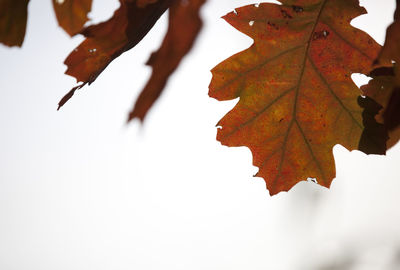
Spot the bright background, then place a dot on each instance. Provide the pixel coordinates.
(80, 189)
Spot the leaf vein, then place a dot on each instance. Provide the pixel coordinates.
(244, 73)
(333, 93)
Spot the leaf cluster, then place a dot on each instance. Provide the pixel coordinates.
(296, 96)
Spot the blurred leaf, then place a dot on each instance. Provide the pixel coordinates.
(107, 40)
(13, 17)
(391, 48)
(383, 90)
(374, 136)
(184, 26)
(72, 14)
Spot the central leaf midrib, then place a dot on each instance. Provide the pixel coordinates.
(296, 99)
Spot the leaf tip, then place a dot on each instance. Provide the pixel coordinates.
(134, 115)
(69, 95)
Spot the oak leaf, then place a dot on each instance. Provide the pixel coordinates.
(13, 17)
(297, 99)
(72, 14)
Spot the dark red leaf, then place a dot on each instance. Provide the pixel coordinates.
(13, 17)
(382, 89)
(184, 26)
(391, 48)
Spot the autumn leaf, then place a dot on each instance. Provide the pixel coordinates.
(184, 26)
(106, 41)
(388, 79)
(13, 17)
(382, 90)
(72, 14)
(391, 48)
(297, 99)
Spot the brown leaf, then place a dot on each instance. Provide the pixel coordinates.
(13, 17)
(68, 96)
(297, 99)
(385, 87)
(106, 41)
(391, 48)
(72, 14)
(375, 135)
(184, 26)
(143, 3)
(382, 89)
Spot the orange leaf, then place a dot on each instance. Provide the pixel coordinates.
(13, 17)
(184, 26)
(106, 41)
(72, 14)
(297, 99)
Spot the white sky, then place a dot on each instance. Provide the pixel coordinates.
(81, 190)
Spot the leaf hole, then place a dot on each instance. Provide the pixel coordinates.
(360, 79)
(312, 179)
(251, 23)
(297, 9)
(320, 34)
(286, 15)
